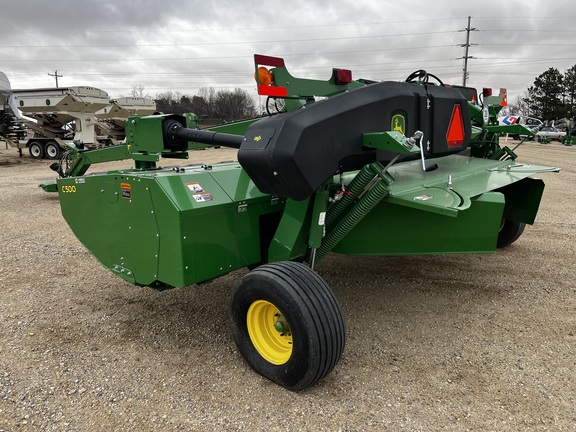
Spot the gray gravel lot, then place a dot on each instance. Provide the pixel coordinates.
(455, 342)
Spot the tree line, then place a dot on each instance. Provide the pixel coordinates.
(551, 97)
(210, 105)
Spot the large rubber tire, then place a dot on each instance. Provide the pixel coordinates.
(53, 150)
(510, 231)
(36, 150)
(287, 324)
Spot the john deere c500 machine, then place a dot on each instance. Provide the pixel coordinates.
(348, 166)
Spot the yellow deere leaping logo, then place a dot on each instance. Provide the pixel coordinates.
(398, 123)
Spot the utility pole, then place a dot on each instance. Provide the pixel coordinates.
(55, 75)
(467, 45)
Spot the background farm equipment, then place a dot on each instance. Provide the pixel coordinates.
(112, 118)
(353, 167)
(58, 114)
(54, 116)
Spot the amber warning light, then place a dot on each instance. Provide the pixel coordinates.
(264, 76)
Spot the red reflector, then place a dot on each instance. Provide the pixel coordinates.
(272, 91)
(342, 76)
(455, 134)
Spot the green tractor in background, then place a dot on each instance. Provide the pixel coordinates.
(354, 167)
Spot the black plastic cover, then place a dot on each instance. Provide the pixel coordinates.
(292, 154)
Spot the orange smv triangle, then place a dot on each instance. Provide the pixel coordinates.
(455, 134)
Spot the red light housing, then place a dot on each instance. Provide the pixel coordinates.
(455, 134)
(486, 92)
(264, 77)
(342, 76)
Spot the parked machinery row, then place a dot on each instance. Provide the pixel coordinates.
(42, 119)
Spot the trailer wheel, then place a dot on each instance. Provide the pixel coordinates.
(36, 150)
(53, 150)
(287, 324)
(510, 231)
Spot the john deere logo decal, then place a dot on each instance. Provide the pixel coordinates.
(398, 123)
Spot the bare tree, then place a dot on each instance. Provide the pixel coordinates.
(234, 105)
(519, 105)
(208, 94)
(138, 91)
(221, 105)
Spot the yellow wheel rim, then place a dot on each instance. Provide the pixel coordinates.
(269, 332)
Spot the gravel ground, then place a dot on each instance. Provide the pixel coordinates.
(460, 342)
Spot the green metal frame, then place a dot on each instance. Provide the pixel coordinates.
(171, 228)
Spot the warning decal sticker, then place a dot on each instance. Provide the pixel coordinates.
(203, 197)
(126, 190)
(195, 187)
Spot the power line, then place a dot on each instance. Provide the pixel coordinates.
(227, 57)
(211, 29)
(228, 42)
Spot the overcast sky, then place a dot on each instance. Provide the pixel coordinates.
(183, 45)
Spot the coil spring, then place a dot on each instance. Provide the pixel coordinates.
(358, 183)
(351, 219)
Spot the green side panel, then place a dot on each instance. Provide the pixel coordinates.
(112, 216)
(170, 228)
(209, 223)
(391, 229)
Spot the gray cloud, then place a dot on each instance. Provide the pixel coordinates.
(182, 45)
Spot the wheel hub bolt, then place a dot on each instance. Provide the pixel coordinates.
(279, 326)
